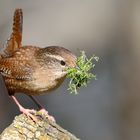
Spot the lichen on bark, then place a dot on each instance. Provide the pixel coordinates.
(24, 128)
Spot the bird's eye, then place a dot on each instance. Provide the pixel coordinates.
(62, 63)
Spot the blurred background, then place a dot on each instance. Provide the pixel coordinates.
(109, 108)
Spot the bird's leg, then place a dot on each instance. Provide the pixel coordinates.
(42, 110)
(27, 112)
(36, 102)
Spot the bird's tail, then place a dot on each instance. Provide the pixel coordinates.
(17, 25)
(16, 37)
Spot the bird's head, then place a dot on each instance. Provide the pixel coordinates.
(57, 59)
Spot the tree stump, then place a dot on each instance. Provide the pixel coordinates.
(23, 128)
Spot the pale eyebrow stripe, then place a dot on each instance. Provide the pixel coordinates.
(55, 57)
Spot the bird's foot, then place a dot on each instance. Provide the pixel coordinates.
(29, 113)
(45, 113)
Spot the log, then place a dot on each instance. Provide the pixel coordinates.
(24, 128)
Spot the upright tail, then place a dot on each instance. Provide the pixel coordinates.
(16, 37)
(17, 25)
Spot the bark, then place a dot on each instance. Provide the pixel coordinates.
(23, 128)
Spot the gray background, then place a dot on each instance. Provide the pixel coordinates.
(109, 108)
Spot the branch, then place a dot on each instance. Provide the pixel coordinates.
(24, 128)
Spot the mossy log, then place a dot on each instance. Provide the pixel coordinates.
(24, 128)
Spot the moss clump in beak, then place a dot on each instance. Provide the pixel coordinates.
(81, 74)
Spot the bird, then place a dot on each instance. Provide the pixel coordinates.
(32, 70)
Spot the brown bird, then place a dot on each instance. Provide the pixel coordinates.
(32, 70)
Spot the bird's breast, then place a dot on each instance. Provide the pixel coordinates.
(46, 80)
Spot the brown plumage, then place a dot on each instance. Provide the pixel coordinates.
(32, 70)
(16, 37)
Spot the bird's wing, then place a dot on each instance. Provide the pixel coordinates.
(14, 42)
(16, 70)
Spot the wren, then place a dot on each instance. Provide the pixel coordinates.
(32, 70)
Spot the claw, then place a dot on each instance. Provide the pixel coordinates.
(45, 113)
(29, 113)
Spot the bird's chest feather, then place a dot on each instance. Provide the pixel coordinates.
(40, 83)
(46, 80)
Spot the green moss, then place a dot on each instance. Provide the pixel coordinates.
(80, 75)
